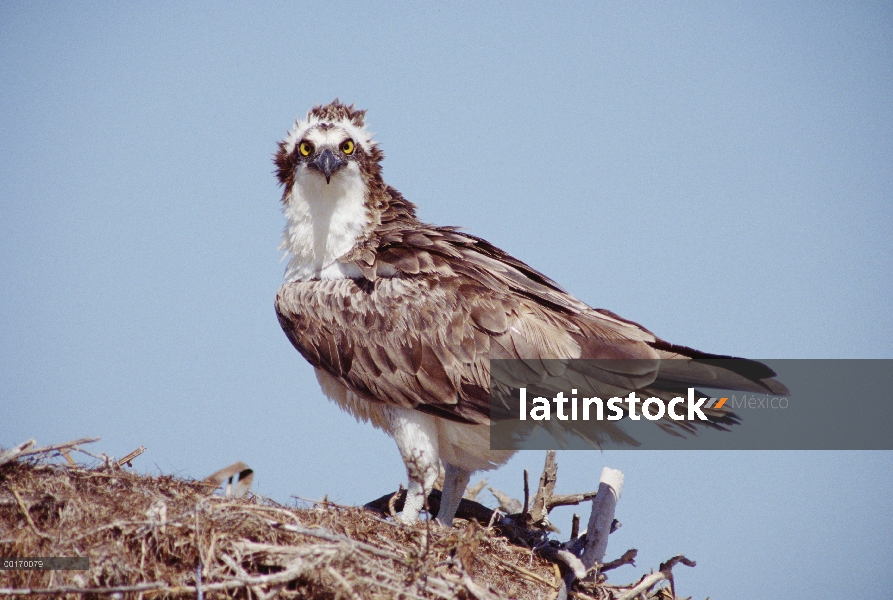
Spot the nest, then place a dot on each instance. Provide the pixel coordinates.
(163, 536)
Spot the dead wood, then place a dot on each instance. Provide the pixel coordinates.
(539, 511)
(627, 558)
(507, 504)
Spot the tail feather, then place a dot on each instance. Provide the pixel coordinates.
(715, 370)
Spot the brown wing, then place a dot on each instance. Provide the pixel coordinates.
(423, 337)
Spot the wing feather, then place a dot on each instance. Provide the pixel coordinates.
(424, 336)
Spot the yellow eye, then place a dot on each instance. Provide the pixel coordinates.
(347, 147)
(306, 148)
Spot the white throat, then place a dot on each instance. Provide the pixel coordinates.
(325, 220)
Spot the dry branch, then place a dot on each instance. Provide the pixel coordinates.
(124, 461)
(539, 512)
(628, 558)
(507, 504)
(600, 521)
(471, 493)
(24, 449)
(649, 581)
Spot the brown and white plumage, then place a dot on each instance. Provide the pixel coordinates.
(400, 318)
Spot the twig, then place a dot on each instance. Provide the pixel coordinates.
(342, 582)
(526, 508)
(507, 504)
(121, 524)
(397, 592)
(475, 590)
(15, 452)
(23, 450)
(70, 589)
(126, 460)
(100, 456)
(539, 511)
(643, 585)
(291, 573)
(569, 499)
(524, 572)
(337, 538)
(668, 566)
(581, 596)
(559, 580)
(628, 558)
(323, 502)
(199, 594)
(664, 574)
(28, 518)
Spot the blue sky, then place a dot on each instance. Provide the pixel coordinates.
(722, 174)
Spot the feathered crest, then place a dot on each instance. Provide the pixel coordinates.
(336, 111)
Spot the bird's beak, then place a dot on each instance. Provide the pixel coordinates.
(327, 162)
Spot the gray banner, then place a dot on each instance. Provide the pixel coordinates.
(708, 404)
(52, 563)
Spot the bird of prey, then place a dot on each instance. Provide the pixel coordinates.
(400, 318)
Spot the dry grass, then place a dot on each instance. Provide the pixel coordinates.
(139, 529)
(151, 537)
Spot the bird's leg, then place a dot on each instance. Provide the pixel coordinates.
(416, 437)
(455, 481)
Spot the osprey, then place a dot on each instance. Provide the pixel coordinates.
(400, 318)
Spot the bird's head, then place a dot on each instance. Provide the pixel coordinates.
(333, 192)
(330, 147)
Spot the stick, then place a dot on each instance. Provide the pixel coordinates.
(23, 449)
(293, 572)
(323, 535)
(539, 511)
(526, 507)
(575, 527)
(569, 499)
(14, 453)
(603, 505)
(126, 460)
(28, 518)
(628, 558)
(524, 572)
(664, 574)
(507, 504)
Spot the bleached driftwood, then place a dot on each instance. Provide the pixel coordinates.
(665, 573)
(602, 516)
